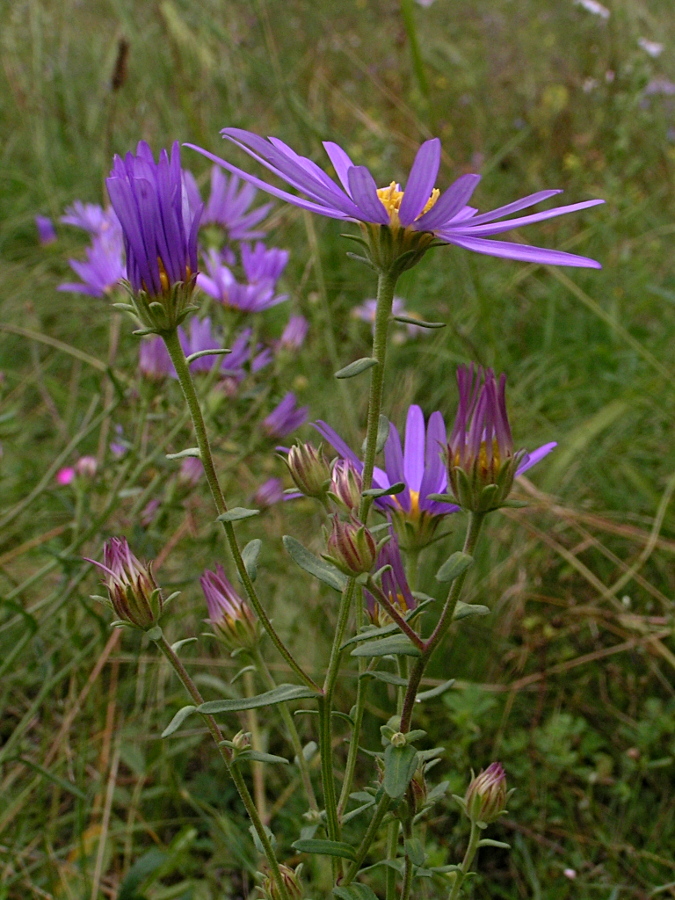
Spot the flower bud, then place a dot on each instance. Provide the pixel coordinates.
(417, 791)
(351, 547)
(486, 795)
(346, 485)
(291, 880)
(132, 589)
(234, 621)
(242, 740)
(309, 469)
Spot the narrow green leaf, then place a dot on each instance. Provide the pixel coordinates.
(325, 848)
(335, 712)
(176, 647)
(399, 767)
(148, 864)
(515, 504)
(361, 259)
(384, 492)
(178, 720)
(488, 842)
(453, 567)
(435, 691)
(386, 677)
(280, 694)
(259, 756)
(184, 454)
(371, 633)
(411, 320)
(198, 355)
(356, 367)
(442, 498)
(354, 891)
(464, 610)
(355, 813)
(319, 568)
(56, 779)
(415, 851)
(382, 433)
(239, 512)
(396, 645)
(250, 555)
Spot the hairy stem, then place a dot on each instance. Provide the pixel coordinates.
(465, 867)
(368, 839)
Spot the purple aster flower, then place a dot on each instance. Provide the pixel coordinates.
(160, 234)
(45, 230)
(261, 264)
(420, 208)
(221, 284)
(285, 418)
(394, 584)
(90, 217)
(103, 268)
(418, 465)
(230, 615)
(199, 338)
(190, 472)
(228, 206)
(244, 352)
(271, 492)
(132, 589)
(481, 460)
(294, 334)
(154, 362)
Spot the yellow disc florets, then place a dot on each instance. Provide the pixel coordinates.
(391, 198)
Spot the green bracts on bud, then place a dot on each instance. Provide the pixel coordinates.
(309, 470)
(291, 880)
(132, 590)
(486, 797)
(351, 547)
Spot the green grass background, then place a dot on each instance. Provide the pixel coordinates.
(570, 681)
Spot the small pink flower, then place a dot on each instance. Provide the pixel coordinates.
(65, 476)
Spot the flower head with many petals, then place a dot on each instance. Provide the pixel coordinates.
(132, 589)
(104, 267)
(160, 234)
(413, 217)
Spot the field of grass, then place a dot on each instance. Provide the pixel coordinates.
(570, 682)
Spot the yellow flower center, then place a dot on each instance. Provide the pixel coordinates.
(391, 198)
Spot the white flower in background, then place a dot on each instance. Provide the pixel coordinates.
(425, 3)
(651, 48)
(592, 6)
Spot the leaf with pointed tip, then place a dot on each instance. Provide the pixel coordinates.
(399, 767)
(199, 353)
(488, 842)
(415, 851)
(259, 756)
(436, 691)
(384, 492)
(178, 720)
(356, 367)
(396, 645)
(442, 498)
(386, 677)
(239, 512)
(184, 454)
(176, 647)
(315, 566)
(453, 567)
(354, 891)
(250, 555)
(464, 610)
(325, 848)
(280, 694)
(411, 320)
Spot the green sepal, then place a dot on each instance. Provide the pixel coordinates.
(399, 767)
(239, 512)
(325, 848)
(314, 565)
(356, 367)
(178, 720)
(280, 694)
(453, 567)
(361, 259)
(154, 633)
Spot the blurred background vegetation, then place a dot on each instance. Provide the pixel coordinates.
(570, 681)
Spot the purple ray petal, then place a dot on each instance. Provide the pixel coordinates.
(449, 204)
(413, 456)
(421, 181)
(341, 162)
(393, 463)
(435, 478)
(363, 189)
(498, 227)
(531, 459)
(336, 442)
(508, 250)
(516, 206)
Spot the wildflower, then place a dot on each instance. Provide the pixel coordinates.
(103, 269)
(154, 362)
(346, 485)
(230, 615)
(593, 7)
(285, 418)
(45, 230)
(190, 472)
(228, 206)
(86, 466)
(309, 470)
(200, 337)
(66, 476)
(132, 589)
(291, 880)
(394, 584)
(294, 334)
(160, 235)
(414, 218)
(418, 466)
(255, 295)
(244, 352)
(651, 48)
(351, 547)
(90, 217)
(366, 312)
(486, 797)
(270, 492)
(481, 460)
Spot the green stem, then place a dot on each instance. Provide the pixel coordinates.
(408, 869)
(293, 735)
(368, 839)
(444, 622)
(392, 847)
(233, 770)
(465, 867)
(185, 379)
(257, 768)
(359, 705)
(386, 283)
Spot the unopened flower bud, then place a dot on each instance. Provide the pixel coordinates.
(398, 739)
(486, 795)
(351, 547)
(417, 791)
(132, 589)
(242, 740)
(309, 469)
(291, 880)
(234, 621)
(86, 466)
(346, 485)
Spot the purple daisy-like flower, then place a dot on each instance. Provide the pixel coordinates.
(285, 418)
(160, 233)
(419, 208)
(244, 352)
(394, 584)
(228, 206)
(255, 296)
(418, 464)
(294, 334)
(230, 615)
(154, 362)
(482, 462)
(91, 217)
(103, 268)
(45, 230)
